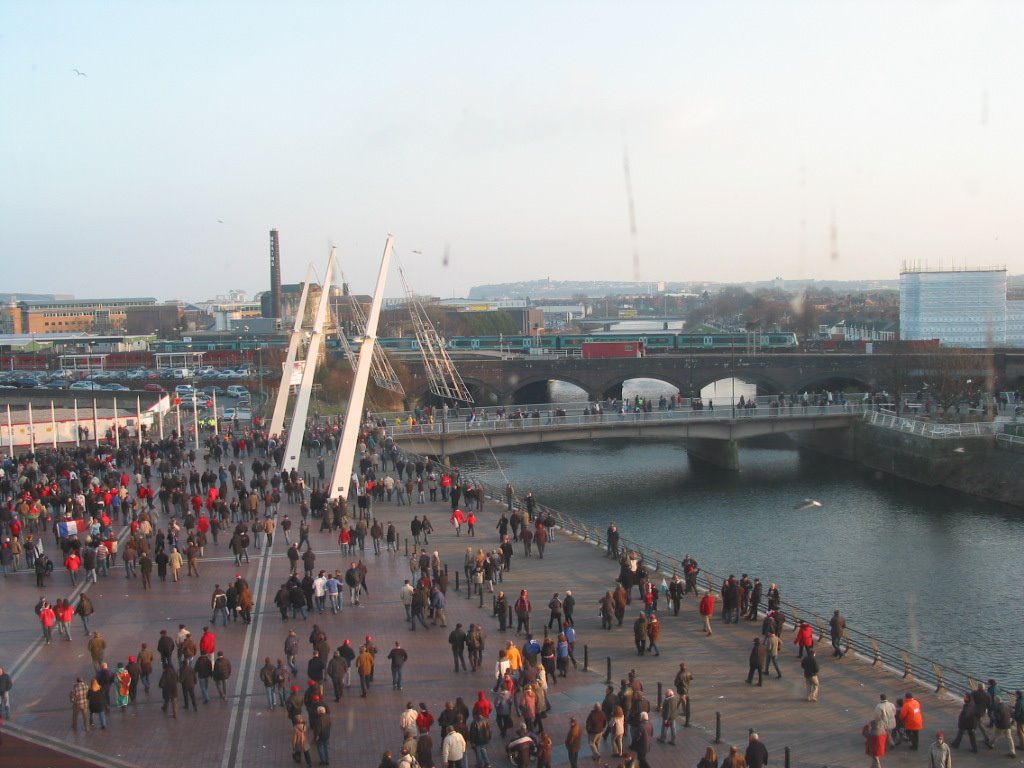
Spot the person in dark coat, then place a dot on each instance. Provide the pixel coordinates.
(169, 688)
(757, 752)
(758, 658)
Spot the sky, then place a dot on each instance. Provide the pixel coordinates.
(827, 140)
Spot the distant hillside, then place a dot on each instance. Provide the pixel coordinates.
(542, 289)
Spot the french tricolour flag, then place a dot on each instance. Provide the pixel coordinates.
(68, 528)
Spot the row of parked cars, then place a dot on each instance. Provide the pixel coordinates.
(139, 379)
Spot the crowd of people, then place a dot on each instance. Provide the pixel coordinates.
(155, 507)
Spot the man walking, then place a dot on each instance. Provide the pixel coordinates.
(457, 640)
(809, 663)
(80, 704)
(398, 657)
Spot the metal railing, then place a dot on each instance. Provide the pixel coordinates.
(931, 429)
(1015, 441)
(576, 408)
(549, 421)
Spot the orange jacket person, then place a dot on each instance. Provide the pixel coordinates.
(913, 719)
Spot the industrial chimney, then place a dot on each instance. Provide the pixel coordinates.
(275, 275)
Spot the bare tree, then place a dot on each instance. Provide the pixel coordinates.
(951, 376)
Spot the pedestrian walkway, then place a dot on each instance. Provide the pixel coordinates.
(241, 731)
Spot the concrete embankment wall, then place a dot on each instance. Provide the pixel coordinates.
(973, 465)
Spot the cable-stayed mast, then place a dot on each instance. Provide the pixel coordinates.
(281, 404)
(381, 372)
(445, 381)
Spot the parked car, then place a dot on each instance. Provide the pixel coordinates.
(86, 384)
(236, 390)
(115, 387)
(242, 414)
(152, 386)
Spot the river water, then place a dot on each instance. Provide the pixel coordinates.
(926, 569)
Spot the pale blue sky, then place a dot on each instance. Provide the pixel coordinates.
(498, 129)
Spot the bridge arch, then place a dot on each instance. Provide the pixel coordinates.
(766, 385)
(534, 389)
(614, 385)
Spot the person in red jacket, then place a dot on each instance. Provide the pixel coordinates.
(424, 719)
(208, 643)
(483, 706)
(47, 618)
(804, 639)
(707, 610)
(913, 719)
(73, 563)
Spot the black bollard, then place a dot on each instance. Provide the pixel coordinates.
(608, 661)
(406, 547)
(509, 617)
(787, 758)
(481, 597)
(586, 658)
(456, 578)
(545, 633)
(718, 727)
(659, 695)
(469, 588)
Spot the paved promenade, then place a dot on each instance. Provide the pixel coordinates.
(241, 730)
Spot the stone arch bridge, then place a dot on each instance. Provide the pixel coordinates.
(497, 381)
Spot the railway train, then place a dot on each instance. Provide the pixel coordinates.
(653, 342)
(225, 354)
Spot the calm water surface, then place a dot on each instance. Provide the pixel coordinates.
(926, 569)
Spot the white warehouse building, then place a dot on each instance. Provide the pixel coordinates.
(961, 308)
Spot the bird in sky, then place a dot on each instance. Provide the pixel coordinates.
(960, 449)
(79, 73)
(808, 504)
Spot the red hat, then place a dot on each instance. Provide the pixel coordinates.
(311, 682)
(295, 688)
(368, 638)
(131, 659)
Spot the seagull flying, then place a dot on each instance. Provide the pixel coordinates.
(808, 504)
(960, 449)
(79, 73)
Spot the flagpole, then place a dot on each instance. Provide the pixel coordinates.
(138, 419)
(53, 424)
(95, 424)
(31, 431)
(77, 427)
(10, 430)
(117, 428)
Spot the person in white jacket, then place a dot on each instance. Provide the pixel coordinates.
(453, 748)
